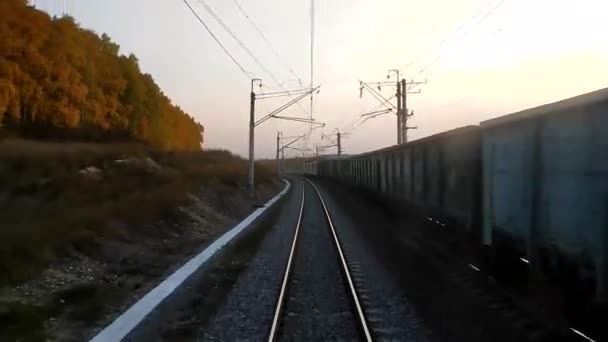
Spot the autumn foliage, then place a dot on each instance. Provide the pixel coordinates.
(60, 81)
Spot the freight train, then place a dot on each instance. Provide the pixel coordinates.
(531, 188)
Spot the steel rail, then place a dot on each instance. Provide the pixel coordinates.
(277, 314)
(360, 313)
(351, 286)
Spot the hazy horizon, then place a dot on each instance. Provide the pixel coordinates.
(520, 56)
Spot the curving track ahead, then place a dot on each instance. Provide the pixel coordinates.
(317, 300)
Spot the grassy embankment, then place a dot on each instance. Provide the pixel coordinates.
(48, 204)
(76, 245)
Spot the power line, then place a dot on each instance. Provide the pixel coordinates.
(428, 75)
(401, 109)
(267, 41)
(425, 68)
(361, 118)
(239, 41)
(357, 122)
(312, 41)
(449, 105)
(247, 50)
(312, 45)
(247, 74)
(312, 54)
(447, 38)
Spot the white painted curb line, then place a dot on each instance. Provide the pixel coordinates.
(124, 324)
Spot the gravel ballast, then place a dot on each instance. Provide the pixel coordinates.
(247, 312)
(407, 290)
(455, 301)
(318, 306)
(391, 316)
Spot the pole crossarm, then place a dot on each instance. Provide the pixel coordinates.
(364, 120)
(292, 137)
(389, 83)
(380, 96)
(297, 149)
(283, 107)
(296, 139)
(291, 118)
(337, 142)
(411, 85)
(403, 88)
(378, 112)
(281, 93)
(407, 89)
(323, 136)
(376, 94)
(317, 125)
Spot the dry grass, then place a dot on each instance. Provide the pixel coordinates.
(48, 206)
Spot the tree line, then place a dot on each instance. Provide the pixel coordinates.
(60, 81)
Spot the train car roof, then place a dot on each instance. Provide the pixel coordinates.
(453, 132)
(580, 101)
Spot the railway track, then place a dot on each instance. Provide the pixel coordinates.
(296, 313)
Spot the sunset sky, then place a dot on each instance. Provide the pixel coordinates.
(513, 55)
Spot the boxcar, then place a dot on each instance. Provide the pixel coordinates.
(545, 197)
(531, 186)
(439, 173)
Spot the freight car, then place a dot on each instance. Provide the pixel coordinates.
(439, 174)
(530, 187)
(545, 191)
(310, 167)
